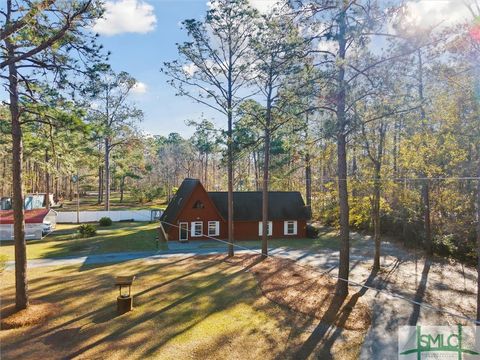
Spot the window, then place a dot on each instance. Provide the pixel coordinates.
(269, 228)
(213, 228)
(197, 228)
(183, 229)
(290, 227)
(198, 205)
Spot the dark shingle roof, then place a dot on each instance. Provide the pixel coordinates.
(176, 204)
(247, 206)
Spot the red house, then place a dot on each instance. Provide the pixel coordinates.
(194, 213)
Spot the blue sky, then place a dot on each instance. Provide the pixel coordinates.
(141, 34)
(142, 55)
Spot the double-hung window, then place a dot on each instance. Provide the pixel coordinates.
(269, 228)
(213, 228)
(197, 229)
(290, 227)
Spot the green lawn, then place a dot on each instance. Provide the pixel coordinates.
(191, 308)
(64, 241)
(89, 203)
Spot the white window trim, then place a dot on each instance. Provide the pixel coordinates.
(217, 228)
(269, 228)
(285, 227)
(193, 232)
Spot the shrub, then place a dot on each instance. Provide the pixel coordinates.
(87, 230)
(153, 193)
(138, 195)
(105, 221)
(312, 231)
(142, 195)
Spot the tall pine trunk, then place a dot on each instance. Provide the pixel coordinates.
(47, 181)
(344, 260)
(21, 284)
(230, 185)
(376, 216)
(206, 171)
(308, 169)
(122, 187)
(57, 182)
(377, 186)
(107, 174)
(308, 180)
(230, 152)
(425, 192)
(426, 217)
(100, 184)
(4, 177)
(70, 188)
(266, 164)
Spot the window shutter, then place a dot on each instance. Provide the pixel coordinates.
(295, 228)
(260, 228)
(285, 228)
(192, 229)
(217, 228)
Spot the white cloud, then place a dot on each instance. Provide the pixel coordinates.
(328, 45)
(190, 69)
(126, 16)
(139, 88)
(426, 14)
(263, 6)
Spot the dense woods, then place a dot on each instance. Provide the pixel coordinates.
(377, 125)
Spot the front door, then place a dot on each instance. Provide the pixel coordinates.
(183, 231)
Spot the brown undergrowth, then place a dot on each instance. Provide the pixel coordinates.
(307, 291)
(35, 314)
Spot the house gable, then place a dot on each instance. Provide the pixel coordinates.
(199, 206)
(190, 203)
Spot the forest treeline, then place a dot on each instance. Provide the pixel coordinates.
(374, 117)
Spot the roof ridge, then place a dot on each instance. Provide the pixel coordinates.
(270, 191)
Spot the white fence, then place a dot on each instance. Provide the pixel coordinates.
(117, 215)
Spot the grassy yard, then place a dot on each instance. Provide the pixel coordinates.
(89, 203)
(140, 236)
(185, 308)
(64, 241)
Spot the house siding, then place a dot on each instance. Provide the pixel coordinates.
(243, 230)
(190, 214)
(248, 230)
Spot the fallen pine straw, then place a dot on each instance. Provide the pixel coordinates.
(36, 313)
(307, 291)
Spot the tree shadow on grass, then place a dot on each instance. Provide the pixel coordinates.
(215, 284)
(420, 293)
(332, 324)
